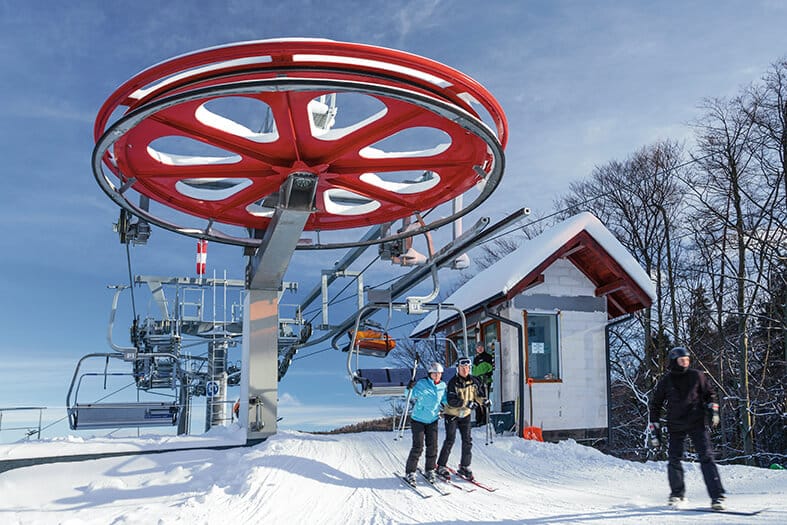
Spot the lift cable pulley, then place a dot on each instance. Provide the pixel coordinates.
(239, 185)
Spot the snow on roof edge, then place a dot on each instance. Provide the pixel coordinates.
(505, 273)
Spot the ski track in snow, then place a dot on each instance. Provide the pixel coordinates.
(346, 479)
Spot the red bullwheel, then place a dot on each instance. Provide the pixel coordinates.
(214, 135)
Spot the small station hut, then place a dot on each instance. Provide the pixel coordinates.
(542, 312)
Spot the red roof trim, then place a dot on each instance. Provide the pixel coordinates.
(572, 250)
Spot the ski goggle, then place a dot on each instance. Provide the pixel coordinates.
(464, 362)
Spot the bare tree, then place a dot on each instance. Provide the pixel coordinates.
(640, 201)
(426, 350)
(769, 115)
(734, 201)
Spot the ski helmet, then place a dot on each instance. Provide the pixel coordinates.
(673, 356)
(435, 368)
(677, 352)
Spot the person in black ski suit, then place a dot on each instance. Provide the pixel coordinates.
(464, 393)
(483, 367)
(688, 395)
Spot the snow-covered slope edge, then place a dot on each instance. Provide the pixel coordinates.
(303, 478)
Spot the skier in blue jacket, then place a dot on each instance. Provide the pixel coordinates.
(429, 395)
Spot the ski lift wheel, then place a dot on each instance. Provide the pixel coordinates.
(239, 184)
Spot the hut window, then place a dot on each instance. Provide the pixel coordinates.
(543, 348)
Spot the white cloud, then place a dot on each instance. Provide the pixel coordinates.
(414, 16)
(287, 399)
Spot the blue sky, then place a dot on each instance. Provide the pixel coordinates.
(582, 83)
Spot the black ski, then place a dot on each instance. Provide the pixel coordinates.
(725, 511)
(412, 487)
(433, 485)
(473, 481)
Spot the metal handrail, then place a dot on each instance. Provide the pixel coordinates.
(77, 379)
(30, 430)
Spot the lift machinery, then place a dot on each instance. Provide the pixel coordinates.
(177, 147)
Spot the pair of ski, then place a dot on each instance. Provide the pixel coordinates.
(438, 481)
(435, 485)
(451, 482)
(416, 488)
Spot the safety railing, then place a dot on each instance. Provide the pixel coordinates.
(30, 430)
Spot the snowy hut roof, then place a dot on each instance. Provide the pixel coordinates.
(581, 239)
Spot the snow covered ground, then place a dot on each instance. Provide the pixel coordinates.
(347, 479)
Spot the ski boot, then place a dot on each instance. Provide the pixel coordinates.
(430, 476)
(410, 478)
(443, 472)
(675, 501)
(718, 503)
(465, 472)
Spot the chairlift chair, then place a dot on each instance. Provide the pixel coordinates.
(82, 416)
(372, 340)
(369, 382)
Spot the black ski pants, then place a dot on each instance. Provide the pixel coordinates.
(422, 432)
(451, 424)
(702, 445)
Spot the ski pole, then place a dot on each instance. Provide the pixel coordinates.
(489, 438)
(407, 401)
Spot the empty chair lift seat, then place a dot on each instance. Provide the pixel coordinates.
(391, 381)
(116, 415)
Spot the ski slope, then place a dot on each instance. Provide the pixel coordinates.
(347, 479)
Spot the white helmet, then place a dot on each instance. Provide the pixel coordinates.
(435, 368)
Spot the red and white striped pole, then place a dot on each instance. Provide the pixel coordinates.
(202, 257)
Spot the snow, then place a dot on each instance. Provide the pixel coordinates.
(402, 188)
(77, 445)
(377, 64)
(504, 274)
(324, 479)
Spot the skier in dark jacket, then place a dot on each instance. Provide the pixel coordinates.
(463, 395)
(689, 395)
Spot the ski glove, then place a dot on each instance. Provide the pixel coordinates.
(487, 403)
(411, 384)
(655, 435)
(713, 408)
(471, 405)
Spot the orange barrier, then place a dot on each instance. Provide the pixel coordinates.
(533, 433)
